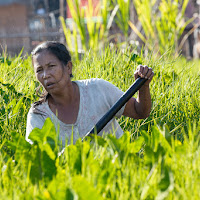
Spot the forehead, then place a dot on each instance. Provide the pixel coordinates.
(44, 57)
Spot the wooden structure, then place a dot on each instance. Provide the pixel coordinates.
(13, 23)
(24, 23)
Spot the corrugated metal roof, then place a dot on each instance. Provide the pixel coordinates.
(7, 2)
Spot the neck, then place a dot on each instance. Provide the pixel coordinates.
(68, 96)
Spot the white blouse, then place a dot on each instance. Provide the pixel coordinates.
(97, 96)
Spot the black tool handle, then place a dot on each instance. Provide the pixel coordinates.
(117, 106)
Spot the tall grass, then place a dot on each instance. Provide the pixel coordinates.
(170, 89)
(157, 158)
(163, 23)
(123, 16)
(89, 23)
(93, 24)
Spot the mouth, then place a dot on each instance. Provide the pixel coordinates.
(49, 85)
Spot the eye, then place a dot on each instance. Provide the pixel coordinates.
(39, 70)
(52, 65)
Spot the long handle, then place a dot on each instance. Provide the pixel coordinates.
(117, 106)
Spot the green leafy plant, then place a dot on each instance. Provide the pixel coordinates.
(123, 16)
(162, 22)
(91, 21)
(156, 158)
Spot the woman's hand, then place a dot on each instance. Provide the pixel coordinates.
(140, 108)
(144, 72)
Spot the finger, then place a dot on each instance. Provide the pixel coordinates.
(151, 76)
(145, 71)
(148, 74)
(136, 75)
(140, 70)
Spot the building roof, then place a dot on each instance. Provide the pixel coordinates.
(7, 2)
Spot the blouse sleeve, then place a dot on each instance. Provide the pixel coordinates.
(33, 120)
(112, 94)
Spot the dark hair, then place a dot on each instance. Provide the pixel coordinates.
(57, 49)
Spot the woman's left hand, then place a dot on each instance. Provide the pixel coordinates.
(144, 72)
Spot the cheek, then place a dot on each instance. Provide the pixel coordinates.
(57, 73)
(39, 77)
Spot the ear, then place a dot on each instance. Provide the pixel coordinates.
(69, 67)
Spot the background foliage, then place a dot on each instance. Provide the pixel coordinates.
(157, 25)
(157, 158)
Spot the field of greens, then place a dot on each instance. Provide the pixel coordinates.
(157, 158)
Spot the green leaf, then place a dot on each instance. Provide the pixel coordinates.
(40, 135)
(146, 137)
(136, 145)
(84, 189)
(114, 143)
(155, 138)
(49, 151)
(100, 141)
(69, 194)
(48, 166)
(18, 106)
(133, 57)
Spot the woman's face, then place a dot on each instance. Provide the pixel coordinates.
(50, 72)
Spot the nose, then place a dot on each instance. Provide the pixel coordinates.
(45, 74)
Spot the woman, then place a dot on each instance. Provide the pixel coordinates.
(78, 105)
